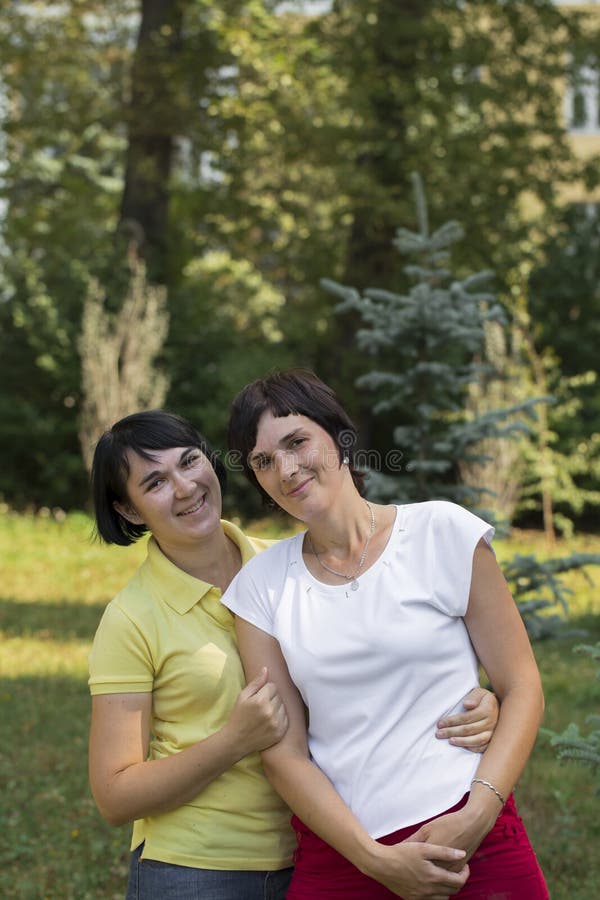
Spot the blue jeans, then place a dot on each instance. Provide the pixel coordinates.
(153, 880)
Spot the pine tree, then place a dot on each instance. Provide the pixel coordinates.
(430, 343)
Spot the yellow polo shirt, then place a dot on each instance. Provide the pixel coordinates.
(167, 632)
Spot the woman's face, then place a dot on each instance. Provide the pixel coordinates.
(176, 494)
(297, 463)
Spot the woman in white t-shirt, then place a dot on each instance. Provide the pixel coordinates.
(375, 618)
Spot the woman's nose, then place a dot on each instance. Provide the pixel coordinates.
(184, 484)
(286, 463)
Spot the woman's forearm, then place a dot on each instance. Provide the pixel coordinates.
(503, 761)
(406, 869)
(159, 785)
(501, 643)
(310, 794)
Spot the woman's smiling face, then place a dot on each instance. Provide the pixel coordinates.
(174, 492)
(297, 463)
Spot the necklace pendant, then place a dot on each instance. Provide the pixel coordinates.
(352, 578)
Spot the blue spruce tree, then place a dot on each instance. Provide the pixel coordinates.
(429, 344)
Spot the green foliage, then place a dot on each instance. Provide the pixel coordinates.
(538, 588)
(560, 469)
(565, 305)
(538, 467)
(565, 290)
(239, 205)
(431, 341)
(555, 799)
(426, 343)
(572, 744)
(63, 67)
(290, 136)
(448, 89)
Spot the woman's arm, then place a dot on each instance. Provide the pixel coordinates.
(409, 870)
(126, 785)
(502, 646)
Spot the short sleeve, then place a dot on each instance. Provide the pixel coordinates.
(120, 661)
(456, 533)
(251, 595)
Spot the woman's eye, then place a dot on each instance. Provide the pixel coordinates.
(191, 459)
(295, 442)
(261, 464)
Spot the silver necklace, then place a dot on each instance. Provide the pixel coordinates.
(354, 576)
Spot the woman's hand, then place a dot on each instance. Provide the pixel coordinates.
(464, 829)
(472, 729)
(416, 870)
(258, 719)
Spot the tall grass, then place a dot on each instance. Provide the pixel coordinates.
(54, 584)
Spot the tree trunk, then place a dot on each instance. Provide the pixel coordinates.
(152, 121)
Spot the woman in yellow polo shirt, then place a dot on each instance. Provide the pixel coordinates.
(176, 733)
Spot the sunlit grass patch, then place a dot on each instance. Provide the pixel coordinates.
(48, 560)
(39, 656)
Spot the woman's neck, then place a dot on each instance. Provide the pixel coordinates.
(214, 559)
(340, 546)
(342, 528)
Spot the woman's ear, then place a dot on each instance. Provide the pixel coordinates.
(128, 512)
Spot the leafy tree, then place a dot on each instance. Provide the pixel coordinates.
(559, 476)
(63, 66)
(449, 89)
(273, 142)
(78, 102)
(129, 117)
(564, 292)
(530, 470)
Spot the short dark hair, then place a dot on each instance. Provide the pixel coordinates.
(141, 432)
(290, 392)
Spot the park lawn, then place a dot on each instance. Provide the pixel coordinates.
(54, 584)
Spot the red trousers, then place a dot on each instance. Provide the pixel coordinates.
(504, 867)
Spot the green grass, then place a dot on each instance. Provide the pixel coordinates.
(54, 584)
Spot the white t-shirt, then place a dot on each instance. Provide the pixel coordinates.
(378, 666)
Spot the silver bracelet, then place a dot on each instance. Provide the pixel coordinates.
(491, 787)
